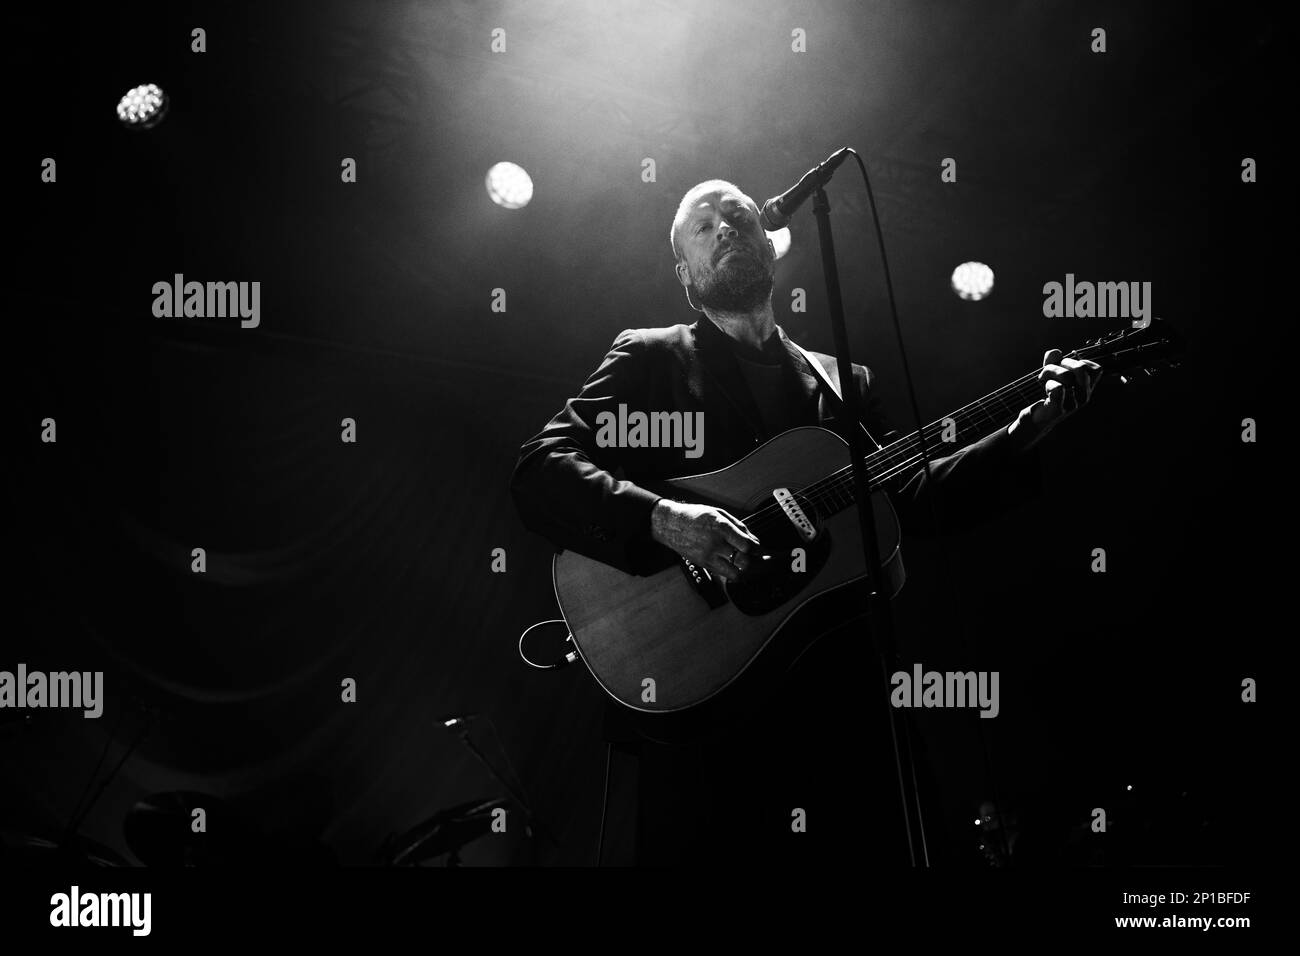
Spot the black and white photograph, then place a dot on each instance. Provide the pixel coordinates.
(778, 451)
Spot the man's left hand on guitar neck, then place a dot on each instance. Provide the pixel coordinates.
(1068, 385)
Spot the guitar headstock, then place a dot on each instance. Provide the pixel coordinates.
(1135, 351)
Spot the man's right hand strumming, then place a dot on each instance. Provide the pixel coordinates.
(707, 536)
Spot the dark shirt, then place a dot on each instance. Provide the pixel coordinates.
(768, 377)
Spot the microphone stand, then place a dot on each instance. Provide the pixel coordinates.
(879, 609)
(531, 820)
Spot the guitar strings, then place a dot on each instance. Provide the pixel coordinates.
(893, 460)
(901, 455)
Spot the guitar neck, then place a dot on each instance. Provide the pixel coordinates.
(893, 464)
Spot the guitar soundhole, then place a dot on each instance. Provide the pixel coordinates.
(781, 571)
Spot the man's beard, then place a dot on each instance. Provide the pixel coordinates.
(740, 284)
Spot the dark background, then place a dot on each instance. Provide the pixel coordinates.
(328, 560)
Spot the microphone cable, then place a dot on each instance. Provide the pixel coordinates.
(933, 491)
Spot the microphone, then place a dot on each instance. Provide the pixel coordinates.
(777, 211)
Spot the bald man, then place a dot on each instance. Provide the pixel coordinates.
(728, 800)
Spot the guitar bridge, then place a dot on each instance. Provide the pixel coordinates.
(704, 583)
(795, 513)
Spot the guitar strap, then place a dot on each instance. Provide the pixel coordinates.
(833, 384)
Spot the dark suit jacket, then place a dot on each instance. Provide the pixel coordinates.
(595, 501)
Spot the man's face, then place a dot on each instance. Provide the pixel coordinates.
(728, 261)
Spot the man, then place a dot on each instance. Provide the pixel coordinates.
(731, 801)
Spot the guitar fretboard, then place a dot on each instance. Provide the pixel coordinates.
(893, 464)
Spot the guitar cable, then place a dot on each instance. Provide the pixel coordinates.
(565, 661)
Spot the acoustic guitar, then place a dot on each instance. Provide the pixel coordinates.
(672, 641)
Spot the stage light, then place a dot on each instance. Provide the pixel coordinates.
(509, 185)
(972, 280)
(142, 107)
(780, 239)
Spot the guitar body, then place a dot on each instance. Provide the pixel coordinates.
(697, 640)
(703, 642)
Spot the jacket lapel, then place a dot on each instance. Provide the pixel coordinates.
(806, 382)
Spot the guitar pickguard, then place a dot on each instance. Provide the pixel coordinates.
(791, 558)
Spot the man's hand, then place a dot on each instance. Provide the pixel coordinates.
(706, 536)
(1068, 383)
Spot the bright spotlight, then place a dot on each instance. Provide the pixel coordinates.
(780, 239)
(142, 107)
(972, 280)
(509, 185)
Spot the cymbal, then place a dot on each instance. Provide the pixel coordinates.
(31, 850)
(445, 832)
